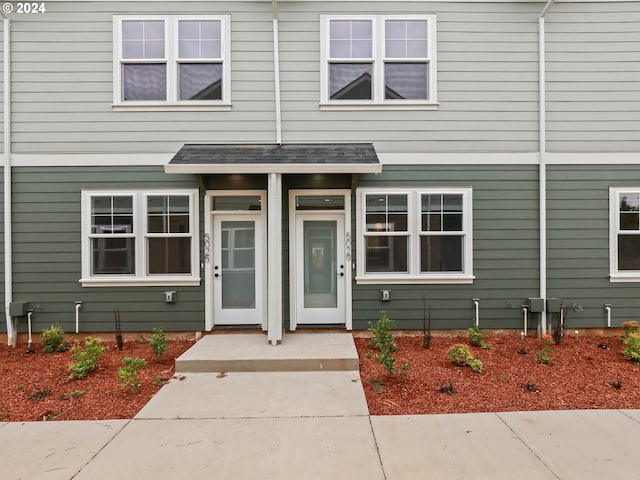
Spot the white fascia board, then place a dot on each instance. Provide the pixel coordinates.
(386, 158)
(515, 158)
(204, 169)
(593, 158)
(89, 159)
(484, 158)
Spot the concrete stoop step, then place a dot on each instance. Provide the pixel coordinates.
(298, 352)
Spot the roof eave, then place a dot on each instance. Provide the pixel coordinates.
(242, 168)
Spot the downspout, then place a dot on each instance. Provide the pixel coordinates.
(276, 71)
(542, 180)
(8, 263)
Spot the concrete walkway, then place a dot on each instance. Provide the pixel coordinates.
(314, 425)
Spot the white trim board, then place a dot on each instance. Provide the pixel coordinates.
(89, 159)
(387, 158)
(507, 158)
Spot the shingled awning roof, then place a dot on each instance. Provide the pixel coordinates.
(288, 158)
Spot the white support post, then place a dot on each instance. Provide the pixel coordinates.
(274, 258)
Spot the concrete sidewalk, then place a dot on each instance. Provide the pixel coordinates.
(187, 432)
(315, 425)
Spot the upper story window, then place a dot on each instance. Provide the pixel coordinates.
(624, 243)
(414, 236)
(378, 61)
(134, 237)
(169, 60)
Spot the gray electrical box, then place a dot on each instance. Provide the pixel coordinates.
(536, 305)
(18, 309)
(554, 305)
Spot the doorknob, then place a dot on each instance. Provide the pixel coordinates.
(341, 274)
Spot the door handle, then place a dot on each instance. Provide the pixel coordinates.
(217, 275)
(341, 274)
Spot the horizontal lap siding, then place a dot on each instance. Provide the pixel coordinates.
(487, 80)
(578, 243)
(63, 90)
(593, 77)
(47, 254)
(505, 249)
(487, 86)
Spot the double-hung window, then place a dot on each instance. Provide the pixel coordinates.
(139, 237)
(624, 243)
(171, 60)
(378, 61)
(415, 235)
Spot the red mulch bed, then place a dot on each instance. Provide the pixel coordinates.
(580, 377)
(37, 387)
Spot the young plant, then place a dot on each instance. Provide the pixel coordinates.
(159, 343)
(475, 336)
(632, 347)
(85, 360)
(630, 327)
(460, 355)
(129, 373)
(385, 342)
(53, 339)
(544, 355)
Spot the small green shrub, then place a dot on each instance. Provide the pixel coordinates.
(632, 326)
(53, 339)
(544, 355)
(129, 373)
(385, 342)
(460, 355)
(85, 360)
(159, 343)
(475, 335)
(632, 347)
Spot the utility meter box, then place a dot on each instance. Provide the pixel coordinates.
(554, 305)
(536, 305)
(18, 309)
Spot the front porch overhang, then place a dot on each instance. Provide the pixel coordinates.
(203, 159)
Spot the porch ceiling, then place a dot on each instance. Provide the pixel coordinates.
(287, 158)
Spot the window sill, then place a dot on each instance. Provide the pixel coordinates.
(367, 105)
(140, 282)
(624, 277)
(180, 107)
(405, 279)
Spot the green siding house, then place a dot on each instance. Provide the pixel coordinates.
(282, 164)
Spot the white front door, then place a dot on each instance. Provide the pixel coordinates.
(320, 269)
(239, 254)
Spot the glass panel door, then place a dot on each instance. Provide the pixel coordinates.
(238, 264)
(320, 265)
(320, 274)
(238, 270)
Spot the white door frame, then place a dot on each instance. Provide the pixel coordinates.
(210, 241)
(294, 237)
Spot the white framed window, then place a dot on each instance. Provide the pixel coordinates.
(624, 234)
(378, 62)
(419, 235)
(133, 237)
(171, 61)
